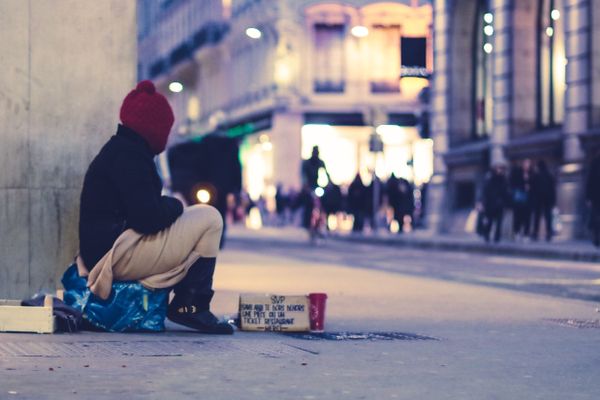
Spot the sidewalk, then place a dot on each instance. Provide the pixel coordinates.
(492, 343)
(420, 239)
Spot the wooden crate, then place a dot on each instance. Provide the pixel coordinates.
(17, 318)
(271, 312)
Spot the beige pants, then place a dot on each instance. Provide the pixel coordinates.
(160, 260)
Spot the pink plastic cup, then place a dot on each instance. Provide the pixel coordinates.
(317, 311)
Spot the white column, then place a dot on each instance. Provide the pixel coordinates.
(437, 208)
(502, 79)
(577, 115)
(286, 139)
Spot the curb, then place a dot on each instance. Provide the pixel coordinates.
(474, 247)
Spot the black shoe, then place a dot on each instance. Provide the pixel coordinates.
(201, 320)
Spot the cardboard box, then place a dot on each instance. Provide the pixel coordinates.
(272, 312)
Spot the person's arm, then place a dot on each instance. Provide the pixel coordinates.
(147, 211)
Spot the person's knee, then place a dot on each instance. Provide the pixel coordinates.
(208, 216)
(215, 218)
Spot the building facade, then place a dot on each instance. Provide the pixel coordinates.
(514, 79)
(287, 75)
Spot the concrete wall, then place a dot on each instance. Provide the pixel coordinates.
(66, 66)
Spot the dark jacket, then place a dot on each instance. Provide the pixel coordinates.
(357, 196)
(543, 189)
(122, 190)
(592, 187)
(310, 171)
(495, 193)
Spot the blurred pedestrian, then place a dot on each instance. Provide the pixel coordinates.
(520, 189)
(310, 169)
(543, 199)
(495, 200)
(281, 204)
(331, 200)
(374, 200)
(305, 202)
(593, 197)
(393, 194)
(357, 203)
(406, 205)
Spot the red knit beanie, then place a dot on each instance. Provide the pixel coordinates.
(149, 114)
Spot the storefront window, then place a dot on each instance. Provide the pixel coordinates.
(483, 101)
(551, 63)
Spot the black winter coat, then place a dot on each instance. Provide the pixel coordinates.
(122, 190)
(495, 193)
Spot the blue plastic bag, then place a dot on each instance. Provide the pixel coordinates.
(130, 308)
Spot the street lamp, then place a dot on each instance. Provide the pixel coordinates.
(359, 31)
(253, 33)
(175, 87)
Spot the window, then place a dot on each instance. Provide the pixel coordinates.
(384, 54)
(483, 48)
(329, 55)
(414, 56)
(551, 63)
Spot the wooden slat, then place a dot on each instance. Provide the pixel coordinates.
(16, 318)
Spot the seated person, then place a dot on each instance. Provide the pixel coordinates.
(128, 231)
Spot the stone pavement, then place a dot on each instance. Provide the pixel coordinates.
(492, 344)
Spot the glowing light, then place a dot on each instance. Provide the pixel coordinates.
(253, 33)
(359, 31)
(319, 192)
(550, 31)
(264, 138)
(555, 15)
(267, 146)
(175, 87)
(283, 72)
(193, 108)
(254, 219)
(394, 226)
(332, 222)
(391, 130)
(203, 196)
(488, 48)
(322, 179)
(488, 18)
(488, 30)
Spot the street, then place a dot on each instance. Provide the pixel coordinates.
(480, 339)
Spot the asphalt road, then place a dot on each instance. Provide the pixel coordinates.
(567, 279)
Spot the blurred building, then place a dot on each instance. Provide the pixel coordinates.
(287, 75)
(514, 79)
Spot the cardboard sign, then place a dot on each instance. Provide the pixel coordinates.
(271, 312)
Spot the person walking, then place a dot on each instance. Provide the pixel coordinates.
(406, 204)
(310, 169)
(520, 189)
(543, 199)
(129, 232)
(593, 198)
(495, 200)
(357, 203)
(393, 197)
